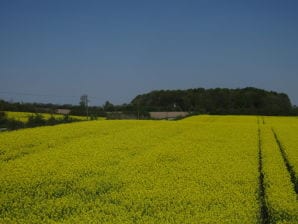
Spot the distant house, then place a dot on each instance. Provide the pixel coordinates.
(168, 115)
(118, 115)
(63, 111)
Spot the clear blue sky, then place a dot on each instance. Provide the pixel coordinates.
(114, 50)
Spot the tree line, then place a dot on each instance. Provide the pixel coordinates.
(197, 101)
(34, 120)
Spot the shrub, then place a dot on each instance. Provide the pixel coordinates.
(36, 120)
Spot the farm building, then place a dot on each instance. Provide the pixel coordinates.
(63, 111)
(168, 115)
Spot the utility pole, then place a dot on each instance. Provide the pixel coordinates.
(87, 108)
(138, 110)
(85, 102)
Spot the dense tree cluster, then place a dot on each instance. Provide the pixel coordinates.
(216, 101)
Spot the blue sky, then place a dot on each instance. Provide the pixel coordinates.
(55, 51)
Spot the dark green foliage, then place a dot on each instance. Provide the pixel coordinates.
(52, 121)
(294, 111)
(3, 119)
(14, 124)
(93, 117)
(30, 107)
(36, 120)
(66, 118)
(33, 121)
(108, 106)
(216, 101)
(9, 124)
(50, 108)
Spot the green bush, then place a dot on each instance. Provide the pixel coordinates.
(36, 120)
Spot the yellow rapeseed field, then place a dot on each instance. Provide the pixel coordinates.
(203, 169)
(24, 116)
